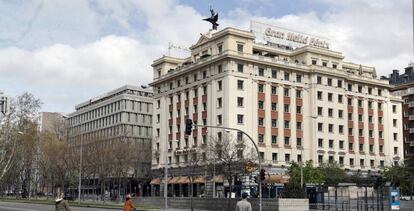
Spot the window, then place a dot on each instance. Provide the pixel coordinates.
(298, 78)
(240, 48)
(274, 106)
(372, 163)
(219, 102)
(298, 142)
(299, 125)
(330, 95)
(274, 139)
(380, 134)
(274, 122)
(334, 66)
(361, 162)
(350, 116)
(286, 108)
(240, 84)
(261, 71)
(286, 76)
(320, 126)
(369, 90)
(340, 98)
(240, 68)
(379, 106)
(339, 83)
(239, 136)
(261, 155)
(361, 132)
(220, 49)
(274, 156)
(313, 61)
(379, 92)
(330, 112)
(219, 85)
(320, 142)
(330, 128)
(329, 81)
(319, 80)
(260, 87)
(395, 135)
(261, 105)
(351, 146)
(341, 129)
(324, 63)
(380, 120)
(274, 74)
(349, 101)
(260, 121)
(204, 74)
(300, 158)
(351, 161)
(287, 157)
(219, 119)
(361, 147)
(382, 163)
(239, 118)
(381, 149)
(274, 90)
(319, 95)
(331, 159)
(286, 92)
(320, 111)
(350, 87)
(320, 159)
(371, 148)
(298, 93)
(394, 122)
(360, 103)
(394, 109)
(240, 101)
(360, 117)
(360, 89)
(331, 143)
(371, 133)
(287, 140)
(341, 144)
(298, 109)
(261, 138)
(340, 114)
(287, 124)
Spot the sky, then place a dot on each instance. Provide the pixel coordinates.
(68, 51)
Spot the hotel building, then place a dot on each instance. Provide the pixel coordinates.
(297, 98)
(403, 85)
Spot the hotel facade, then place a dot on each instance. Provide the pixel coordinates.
(298, 99)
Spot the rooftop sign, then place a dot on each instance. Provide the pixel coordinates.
(273, 35)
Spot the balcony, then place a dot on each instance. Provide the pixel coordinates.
(411, 117)
(195, 100)
(204, 98)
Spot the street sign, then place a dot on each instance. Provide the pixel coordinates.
(249, 167)
(394, 198)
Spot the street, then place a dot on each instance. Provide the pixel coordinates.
(13, 206)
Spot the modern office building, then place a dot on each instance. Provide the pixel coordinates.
(124, 114)
(296, 97)
(4, 104)
(403, 85)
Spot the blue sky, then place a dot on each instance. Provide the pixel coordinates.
(66, 52)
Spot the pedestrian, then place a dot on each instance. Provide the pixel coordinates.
(244, 205)
(128, 205)
(60, 203)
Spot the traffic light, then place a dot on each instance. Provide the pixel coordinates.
(255, 179)
(188, 126)
(262, 174)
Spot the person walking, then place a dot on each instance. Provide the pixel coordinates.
(244, 205)
(60, 203)
(128, 205)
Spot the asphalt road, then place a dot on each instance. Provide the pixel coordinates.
(12, 206)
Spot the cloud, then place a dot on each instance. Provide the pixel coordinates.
(77, 51)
